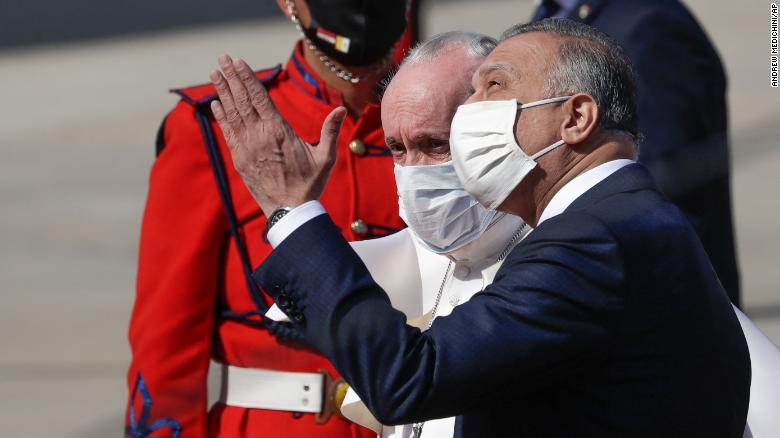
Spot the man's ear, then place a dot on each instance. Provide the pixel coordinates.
(581, 117)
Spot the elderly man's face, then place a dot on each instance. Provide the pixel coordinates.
(515, 69)
(419, 104)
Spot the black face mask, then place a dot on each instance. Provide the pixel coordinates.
(356, 32)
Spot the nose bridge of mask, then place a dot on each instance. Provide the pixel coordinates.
(426, 177)
(439, 211)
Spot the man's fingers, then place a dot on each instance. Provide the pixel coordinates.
(218, 111)
(226, 97)
(330, 133)
(237, 89)
(224, 125)
(258, 95)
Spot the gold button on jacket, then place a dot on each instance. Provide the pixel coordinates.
(359, 227)
(357, 147)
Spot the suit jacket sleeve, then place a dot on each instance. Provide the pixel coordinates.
(171, 325)
(546, 318)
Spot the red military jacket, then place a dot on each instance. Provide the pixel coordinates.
(191, 284)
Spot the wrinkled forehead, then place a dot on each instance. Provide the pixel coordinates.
(523, 56)
(426, 93)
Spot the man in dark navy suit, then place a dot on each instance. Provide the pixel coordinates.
(682, 112)
(607, 321)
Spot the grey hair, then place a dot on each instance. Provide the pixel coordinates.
(589, 61)
(477, 46)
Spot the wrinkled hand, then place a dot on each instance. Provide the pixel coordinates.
(277, 166)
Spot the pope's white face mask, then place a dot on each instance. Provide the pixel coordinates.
(486, 156)
(442, 215)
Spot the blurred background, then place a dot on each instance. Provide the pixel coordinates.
(85, 88)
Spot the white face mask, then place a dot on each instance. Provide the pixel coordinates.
(441, 214)
(487, 158)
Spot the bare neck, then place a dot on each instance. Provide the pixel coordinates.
(573, 165)
(355, 96)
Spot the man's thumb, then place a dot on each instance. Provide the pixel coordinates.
(330, 130)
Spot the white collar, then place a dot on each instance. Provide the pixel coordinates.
(579, 185)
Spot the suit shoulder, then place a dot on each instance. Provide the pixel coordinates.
(642, 218)
(585, 233)
(203, 94)
(571, 225)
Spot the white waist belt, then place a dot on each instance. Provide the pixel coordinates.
(268, 389)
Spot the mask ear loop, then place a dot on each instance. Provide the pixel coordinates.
(543, 102)
(538, 103)
(546, 150)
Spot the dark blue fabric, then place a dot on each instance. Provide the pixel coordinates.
(311, 80)
(376, 231)
(223, 186)
(682, 115)
(555, 8)
(139, 428)
(546, 9)
(377, 151)
(607, 321)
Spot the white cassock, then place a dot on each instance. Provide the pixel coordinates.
(763, 413)
(412, 276)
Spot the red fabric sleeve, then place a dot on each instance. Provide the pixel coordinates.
(170, 334)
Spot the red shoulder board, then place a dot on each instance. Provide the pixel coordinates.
(203, 94)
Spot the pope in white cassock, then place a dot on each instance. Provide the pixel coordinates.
(454, 246)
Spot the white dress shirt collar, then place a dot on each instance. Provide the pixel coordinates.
(579, 185)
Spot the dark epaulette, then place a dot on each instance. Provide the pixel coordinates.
(203, 94)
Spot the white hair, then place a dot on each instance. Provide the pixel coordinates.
(477, 46)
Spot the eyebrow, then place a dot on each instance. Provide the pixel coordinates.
(421, 136)
(484, 71)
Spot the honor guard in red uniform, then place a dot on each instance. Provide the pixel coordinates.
(203, 233)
